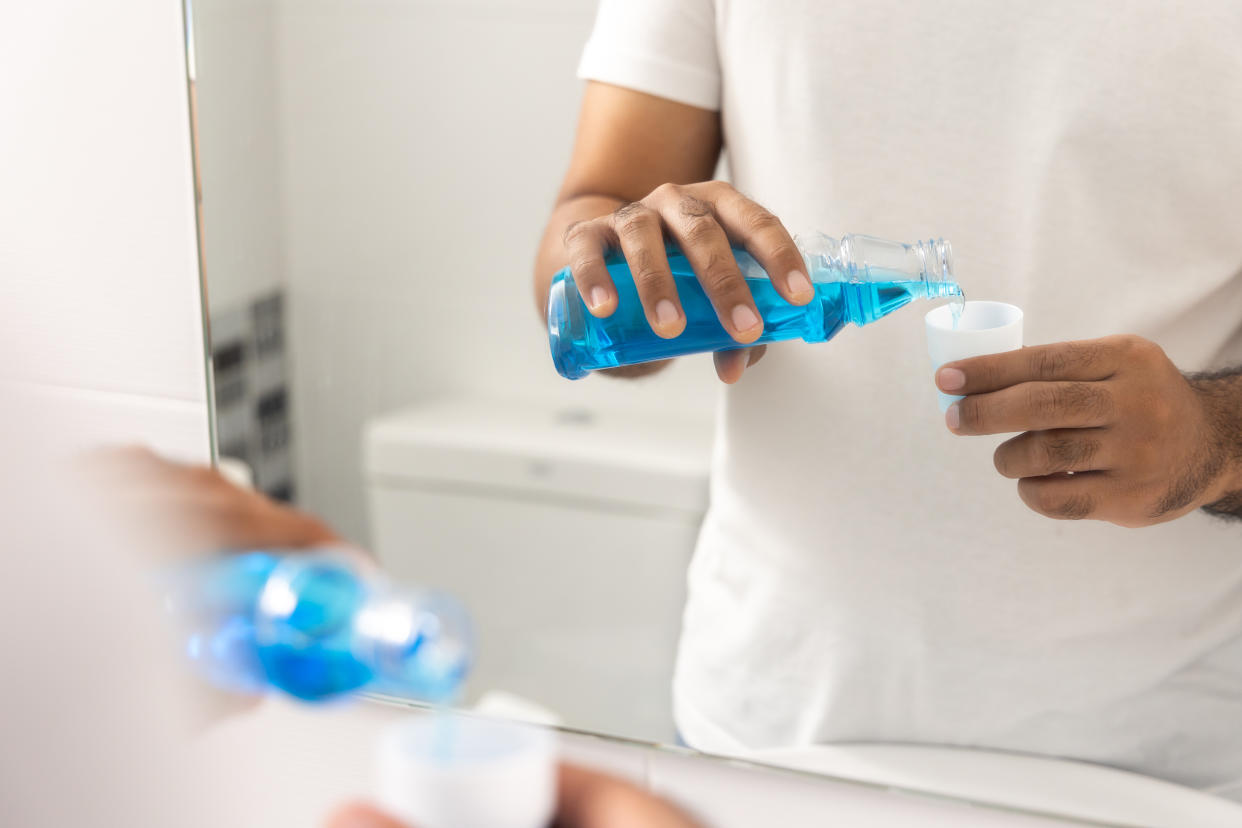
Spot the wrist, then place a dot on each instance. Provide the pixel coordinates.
(1221, 396)
(1225, 495)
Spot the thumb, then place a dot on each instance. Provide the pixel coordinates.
(731, 364)
(359, 815)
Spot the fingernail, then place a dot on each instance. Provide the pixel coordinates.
(953, 417)
(744, 318)
(599, 297)
(799, 284)
(950, 379)
(666, 313)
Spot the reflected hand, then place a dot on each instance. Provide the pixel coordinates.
(196, 507)
(585, 799)
(184, 510)
(1112, 430)
(705, 220)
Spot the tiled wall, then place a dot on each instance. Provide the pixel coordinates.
(238, 146)
(100, 316)
(253, 422)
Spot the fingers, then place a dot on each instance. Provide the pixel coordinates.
(692, 223)
(731, 364)
(1033, 406)
(1041, 453)
(588, 799)
(1087, 360)
(702, 219)
(586, 243)
(767, 240)
(641, 235)
(358, 815)
(116, 466)
(1065, 496)
(1113, 442)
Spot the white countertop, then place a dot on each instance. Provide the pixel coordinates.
(305, 761)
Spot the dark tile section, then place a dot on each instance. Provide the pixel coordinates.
(253, 410)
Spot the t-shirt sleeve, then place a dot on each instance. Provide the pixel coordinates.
(665, 48)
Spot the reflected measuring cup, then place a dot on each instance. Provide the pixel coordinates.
(984, 328)
(454, 771)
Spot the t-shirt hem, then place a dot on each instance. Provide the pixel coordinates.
(652, 75)
(700, 733)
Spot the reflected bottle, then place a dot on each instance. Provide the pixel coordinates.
(857, 279)
(314, 627)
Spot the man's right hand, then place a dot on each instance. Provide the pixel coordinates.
(615, 197)
(195, 509)
(706, 221)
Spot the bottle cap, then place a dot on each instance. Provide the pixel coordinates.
(984, 328)
(451, 771)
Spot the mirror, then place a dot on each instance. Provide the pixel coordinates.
(376, 178)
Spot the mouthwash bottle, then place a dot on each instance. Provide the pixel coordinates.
(858, 279)
(314, 627)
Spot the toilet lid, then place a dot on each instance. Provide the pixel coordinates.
(605, 458)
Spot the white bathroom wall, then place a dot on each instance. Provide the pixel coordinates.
(421, 146)
(100, 317)
(238, 149)
(238, 158)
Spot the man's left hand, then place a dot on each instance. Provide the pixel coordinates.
(1111, 429)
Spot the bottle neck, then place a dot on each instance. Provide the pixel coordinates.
(858, 258)
(937, 259)
(418, 642)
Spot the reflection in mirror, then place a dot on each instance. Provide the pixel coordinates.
(377, 181)
(377, 355)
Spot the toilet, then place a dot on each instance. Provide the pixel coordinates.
(565, 531)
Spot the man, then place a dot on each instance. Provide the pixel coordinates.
(864, 573)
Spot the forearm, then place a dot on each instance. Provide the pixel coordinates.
(628, 144)
(551, 256)
(1222, 397)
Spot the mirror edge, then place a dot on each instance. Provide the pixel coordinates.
(191, 77)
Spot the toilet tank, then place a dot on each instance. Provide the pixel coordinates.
(566, 532)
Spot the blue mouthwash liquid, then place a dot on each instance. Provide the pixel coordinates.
(582, 343)
(304, 631)
(310, 626)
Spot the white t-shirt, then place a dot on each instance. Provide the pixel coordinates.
(863, 574)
